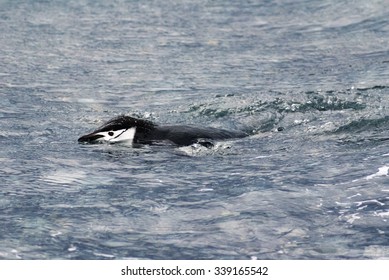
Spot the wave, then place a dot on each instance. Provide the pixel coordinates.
(261, 112)
(362, 125)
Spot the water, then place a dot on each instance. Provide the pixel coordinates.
(308, 79)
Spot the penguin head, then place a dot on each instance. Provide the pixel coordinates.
(121, 129)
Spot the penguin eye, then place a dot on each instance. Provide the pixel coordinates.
(110, 133)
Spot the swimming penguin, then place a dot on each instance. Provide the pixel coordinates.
(129, 130)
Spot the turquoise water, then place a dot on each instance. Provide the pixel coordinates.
(308, 79)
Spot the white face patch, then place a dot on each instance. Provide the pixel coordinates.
(118, 136)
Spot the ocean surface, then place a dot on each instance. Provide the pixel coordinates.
(308, 80)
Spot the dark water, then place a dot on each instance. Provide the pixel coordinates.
(308, 79)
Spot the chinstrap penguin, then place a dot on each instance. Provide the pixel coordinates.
(129, 130)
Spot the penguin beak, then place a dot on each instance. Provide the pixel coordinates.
(90, 138)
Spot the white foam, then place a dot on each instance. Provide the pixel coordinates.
(384, 214)
(382, 171)
(64, 176)
(352, 218)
